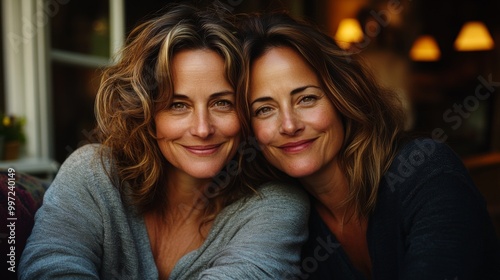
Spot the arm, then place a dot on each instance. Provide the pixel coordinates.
(268, 241)
(66, 238)
(448, 229)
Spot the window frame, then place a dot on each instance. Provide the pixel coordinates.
(27, 61)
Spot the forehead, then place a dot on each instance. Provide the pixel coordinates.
(279, 55)
(281, 66)
(198, 72)
(195, 60)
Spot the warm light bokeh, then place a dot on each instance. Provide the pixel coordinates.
(474, 36)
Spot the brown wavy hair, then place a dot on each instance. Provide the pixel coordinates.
(140, 84)
(373, 118)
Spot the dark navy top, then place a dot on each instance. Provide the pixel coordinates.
(430, 222)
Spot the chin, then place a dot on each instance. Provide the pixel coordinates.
(299, 171)
(203, 174)
(202, 171)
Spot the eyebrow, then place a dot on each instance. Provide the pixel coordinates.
(293, 92)
(212, 96)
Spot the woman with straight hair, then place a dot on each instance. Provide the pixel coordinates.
(383, 205)
(162, 195)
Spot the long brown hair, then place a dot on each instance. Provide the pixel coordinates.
(373, 118)
(140, 84)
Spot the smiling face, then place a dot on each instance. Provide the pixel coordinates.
(299, 130)
(199, 131)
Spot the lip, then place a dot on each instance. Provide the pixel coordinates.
(202, 150)
(297, 146)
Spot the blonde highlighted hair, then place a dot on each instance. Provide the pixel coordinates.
(373, 118)
(140, 84)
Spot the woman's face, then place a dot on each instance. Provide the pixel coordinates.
(198, 133)
(299, 130)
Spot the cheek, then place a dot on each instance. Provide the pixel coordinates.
(263, 131)
(168, 128)
(160, 127)
(324, 118)
(320, 120)
(230, 126)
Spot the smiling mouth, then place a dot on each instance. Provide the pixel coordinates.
(203, 150)
(296, 147)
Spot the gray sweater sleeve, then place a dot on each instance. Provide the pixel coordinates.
(84, 231)
(66, 238)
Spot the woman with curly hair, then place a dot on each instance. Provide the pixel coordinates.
(383, 205)
(162, 195)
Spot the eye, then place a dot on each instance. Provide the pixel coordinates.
(223, 104)
(309, 99)
(263, 111)
(178, 106)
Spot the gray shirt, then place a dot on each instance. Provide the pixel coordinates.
(84, 231)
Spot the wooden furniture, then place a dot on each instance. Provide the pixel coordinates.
(485, 171)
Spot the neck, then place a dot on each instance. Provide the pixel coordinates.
(330, 189)
(186, 196)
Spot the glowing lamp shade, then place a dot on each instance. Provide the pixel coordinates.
(425, 48)
(474, 36)
(348, 32)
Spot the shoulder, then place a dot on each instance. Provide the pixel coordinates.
(426, 150)
(272, 198)
(430, 195)
(290, 195)
(85, 156)
(84, 173)
(422, 159)
(88, 161)
(429, 173)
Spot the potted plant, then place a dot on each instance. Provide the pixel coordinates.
(12, 135)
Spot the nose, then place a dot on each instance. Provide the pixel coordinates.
(202, 124)
(290, 123)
